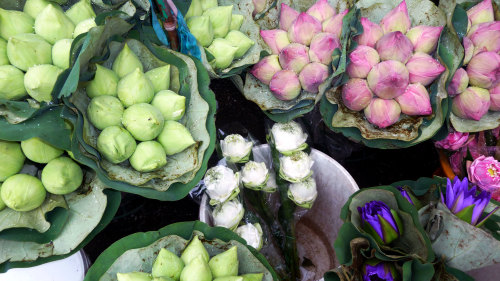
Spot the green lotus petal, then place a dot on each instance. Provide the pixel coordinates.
(290, 152)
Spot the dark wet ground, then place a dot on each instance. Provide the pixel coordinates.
(369, 167)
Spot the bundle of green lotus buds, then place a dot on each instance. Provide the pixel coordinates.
(301, 48)
(475, 87)
(23, 190)
(129, 105)
(218, 30)
(35, 46)
(194, 264)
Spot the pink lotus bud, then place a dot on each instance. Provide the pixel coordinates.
(482, 12)
(468, 49)
(322, 47)
(333, 25)
(383, 113)
(362, 59)
(486, 37)
(423, 69)
(294, 57)
(356, 94)
(313, 75)
(484, 69)
(285, 85)
(495, 98)
(459, 82)
(469, 24)
(258, 6)
(303, 29)
(396, 20)
(472, 104)
(287, 16)
(415, 100)
(372, 32)
(321, 10)
(388, 79)
(276, 39)
(265, 69)
(424, 38)
(394, 46)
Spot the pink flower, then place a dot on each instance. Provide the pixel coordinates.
(482, 12)
(372, 32)
(396, 20)
(485, 172)
(454, 141)
(321, 10)
(287, 16)
(276, 39)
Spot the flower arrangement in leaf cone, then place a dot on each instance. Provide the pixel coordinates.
(391, 67)
(301, 48)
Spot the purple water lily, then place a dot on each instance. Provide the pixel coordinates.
(379, 272)
(380, 221)
(465, 202)
(405, 194)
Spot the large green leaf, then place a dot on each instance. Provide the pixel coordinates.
(137, 251)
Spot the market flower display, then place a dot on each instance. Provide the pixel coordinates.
(229, 214)
(382, 113)
(62, 176)
(453, 141)
(236, 149)
(485, 173)
(222, 184)
(254, 175)
(303, 193)
(252, 233)
(288, 137)
(296, 167)
(380, 221)
(356, 94)
(23, 192)
(473, 103)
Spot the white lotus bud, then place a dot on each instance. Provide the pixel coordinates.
(303, 193)
(252, 233)
(236, 149)
(296, 167)
(229, 214)
(222, 184)
(254, 175)
(271, 185)
(288, 137)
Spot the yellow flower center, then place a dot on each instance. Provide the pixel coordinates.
(492, 171)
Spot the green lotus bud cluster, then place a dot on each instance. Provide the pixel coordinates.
(217, 29)
(129, 105)
(194, 264)
(22, 192)
(35, 46)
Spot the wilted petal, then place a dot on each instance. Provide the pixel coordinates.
(484, 69)
(285, 85)
(495, 98)
(313, 75)
(472, 104)
(372, 32)
(423, 69)
(396, 20)
(415, 100)
(356, 94)
(394, 46)
(333, 25)
(303, 29)
(482, 12)
(294, 57)
(362, 59)
(321, 10)
(287, 16)
(322, 47)
(265, 69)
(486, 37)
(424, 38)
(388, 79)
(276, 39)
(383, 113)
(468, 50)
(459, 82)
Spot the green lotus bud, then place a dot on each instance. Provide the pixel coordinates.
(193, 250)
(229, 278)
(162, 279)
(170, 104)
(104, 84)
(160, 78)
(134, 276)
(207, 4)
(11, 83)
(116, 144)
(53, 25)
(225, 264)
(202, 29)
(23, 193)
(223, 51)
(80, 11)
(40, 80)
(84, 27)
(175, 137)
(61, 53)
(14, 23)
(27, 50)
(135, 88)
(236, 22)
(253, 277)
(194, 10)
(2, 204)
(197, 270)
(62, 176)
(241, 41)
(167, 264)
(220, 17)
(105, 111)
(39, 151)
(3, 52)
(148, 156)
(35, 7)
(126, 62)
(143, 121)
(12, 159)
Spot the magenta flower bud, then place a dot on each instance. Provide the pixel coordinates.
(484, 69)
(459, 82)
(453, 141)
(424, 38)
(356, 94)
(333, 25)
(383, 113)
(285, 85)
(396, 20)
(287, 16)
(468, 50)
(303, 29)
(258, 6)
(472, 104)
(486, 37)
(294, 57)
(415, 100)
(495, 98)
(321, 10)
(423, 69)
(388, 79)
(362, 59)
(322, 47)
(312, 76)
(394, 46)
(372, 32)
(265, 69)
(276, 39)
(482, 12)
